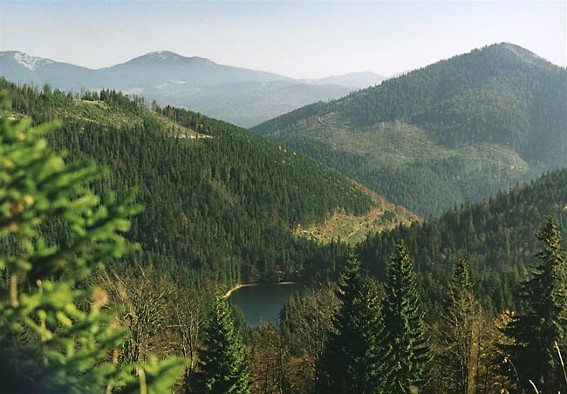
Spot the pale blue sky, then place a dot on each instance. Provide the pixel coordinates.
(293, 38)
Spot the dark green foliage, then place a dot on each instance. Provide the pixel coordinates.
(404, 349)
(458, 130)
(349, 363)
(541, 328)
(55, 335)
(496, 236)
(214, 205)
(222, 207)
(461, 278)
(223, 363)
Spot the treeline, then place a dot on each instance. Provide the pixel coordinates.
(220, 206)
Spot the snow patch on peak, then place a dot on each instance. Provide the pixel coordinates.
(159, 54)
(30, 62)
(164, 55)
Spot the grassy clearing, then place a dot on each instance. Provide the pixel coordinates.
(352, 228)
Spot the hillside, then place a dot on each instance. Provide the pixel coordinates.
(496, 237)
(220, 203)
(238, 95)
(458, 130)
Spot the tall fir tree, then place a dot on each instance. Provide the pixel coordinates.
(458, 335)
(223, 363)
(405, 352)
(538, 332)
(349, 363)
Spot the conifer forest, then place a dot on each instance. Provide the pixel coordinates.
(125, 225)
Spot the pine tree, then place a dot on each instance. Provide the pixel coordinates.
(55, 335)
(537, 332)
(458, 335)
(349, 363)
(404, 346)
(223, 363)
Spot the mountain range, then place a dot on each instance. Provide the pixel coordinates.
(458, 130)
(238, 95)
(223, 206)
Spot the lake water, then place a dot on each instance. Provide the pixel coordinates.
(263, 303)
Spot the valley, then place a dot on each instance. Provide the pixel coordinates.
(382, 242)
(241, 195)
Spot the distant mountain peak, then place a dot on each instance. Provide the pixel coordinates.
(163, 55)
(28, 61)
(168, 57)
(498, 100)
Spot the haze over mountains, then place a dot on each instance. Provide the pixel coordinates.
(225, 207)
(238, 95)
(458, 130)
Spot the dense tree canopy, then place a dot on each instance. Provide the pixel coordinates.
(350, 362)
(496, 236)
(223, 363)
(542, 327)
(215, 196)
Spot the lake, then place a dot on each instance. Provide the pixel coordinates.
(263, 303)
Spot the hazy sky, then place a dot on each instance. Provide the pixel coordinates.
(294, 38)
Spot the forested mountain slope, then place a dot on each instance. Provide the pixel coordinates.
(496, 237)
(220, 202)
(455, 131)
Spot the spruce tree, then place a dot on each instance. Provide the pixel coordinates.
(223, 363)
(349, 363)
(458, 335)
(55, 335)
(405, 352)
(538, 332)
